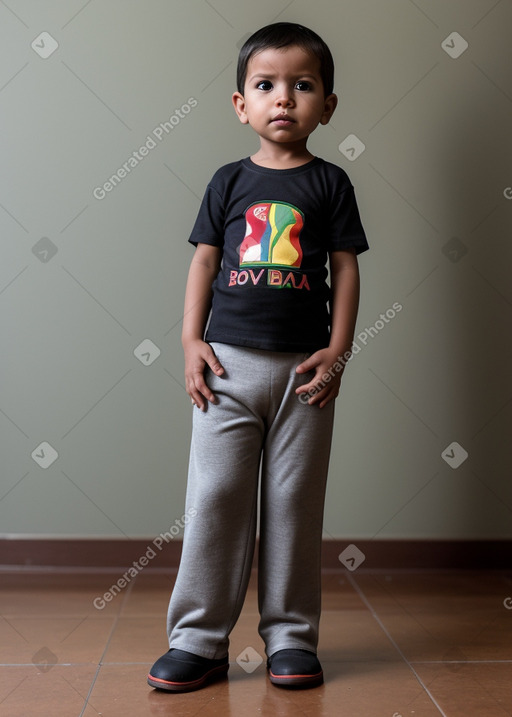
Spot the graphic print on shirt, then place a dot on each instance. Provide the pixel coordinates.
(272, 239)
(272, 235)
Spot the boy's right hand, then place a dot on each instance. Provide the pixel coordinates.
(198, 354)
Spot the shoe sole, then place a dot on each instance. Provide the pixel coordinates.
(211, 676)
(296, 681)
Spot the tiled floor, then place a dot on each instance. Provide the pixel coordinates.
(395, 644)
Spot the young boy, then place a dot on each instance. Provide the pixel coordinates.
(262, 378)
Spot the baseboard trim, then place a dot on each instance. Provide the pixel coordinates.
(378, 554)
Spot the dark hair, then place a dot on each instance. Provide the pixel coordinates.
(284, 34)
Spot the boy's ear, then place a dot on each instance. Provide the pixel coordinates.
(239, 105)
(330, 104)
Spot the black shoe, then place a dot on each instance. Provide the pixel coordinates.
(295, 668)
(180, 671)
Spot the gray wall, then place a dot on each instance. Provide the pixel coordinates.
(88, 275)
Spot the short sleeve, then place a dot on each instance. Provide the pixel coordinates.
(345, 229)
(209, 224)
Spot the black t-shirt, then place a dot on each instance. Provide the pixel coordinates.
(275, 228)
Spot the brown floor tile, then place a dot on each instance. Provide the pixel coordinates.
(44, 593)
(441, 637)
(149, 595)
(443, 616)
(374, 689)
(67, 639)
(391, 644)
(59, 691)
(369, 690)
(470, 689)
(137, 639)
(443, 592)
(354, 637)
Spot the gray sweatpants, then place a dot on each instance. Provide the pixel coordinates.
(257, 418)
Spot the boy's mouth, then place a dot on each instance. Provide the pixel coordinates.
(283, 120)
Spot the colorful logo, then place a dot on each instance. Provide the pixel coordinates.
(272, 235)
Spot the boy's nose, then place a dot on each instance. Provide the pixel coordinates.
(283, 95)
(284, 99)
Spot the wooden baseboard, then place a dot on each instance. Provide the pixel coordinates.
(373, 555)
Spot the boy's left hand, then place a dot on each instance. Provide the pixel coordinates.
(325, 385)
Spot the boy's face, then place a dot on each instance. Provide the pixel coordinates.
(283, 98)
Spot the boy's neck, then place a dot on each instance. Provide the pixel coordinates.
(282, 157)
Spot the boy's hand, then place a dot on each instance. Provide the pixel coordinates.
(198, 354)
(322, 390)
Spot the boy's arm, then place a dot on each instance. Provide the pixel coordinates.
(198, 294)
(344, 301)
(325, 384)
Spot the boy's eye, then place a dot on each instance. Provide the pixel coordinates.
(303, 86)
(264, 85)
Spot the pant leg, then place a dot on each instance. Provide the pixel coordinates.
(218, 543)
(293, 482)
